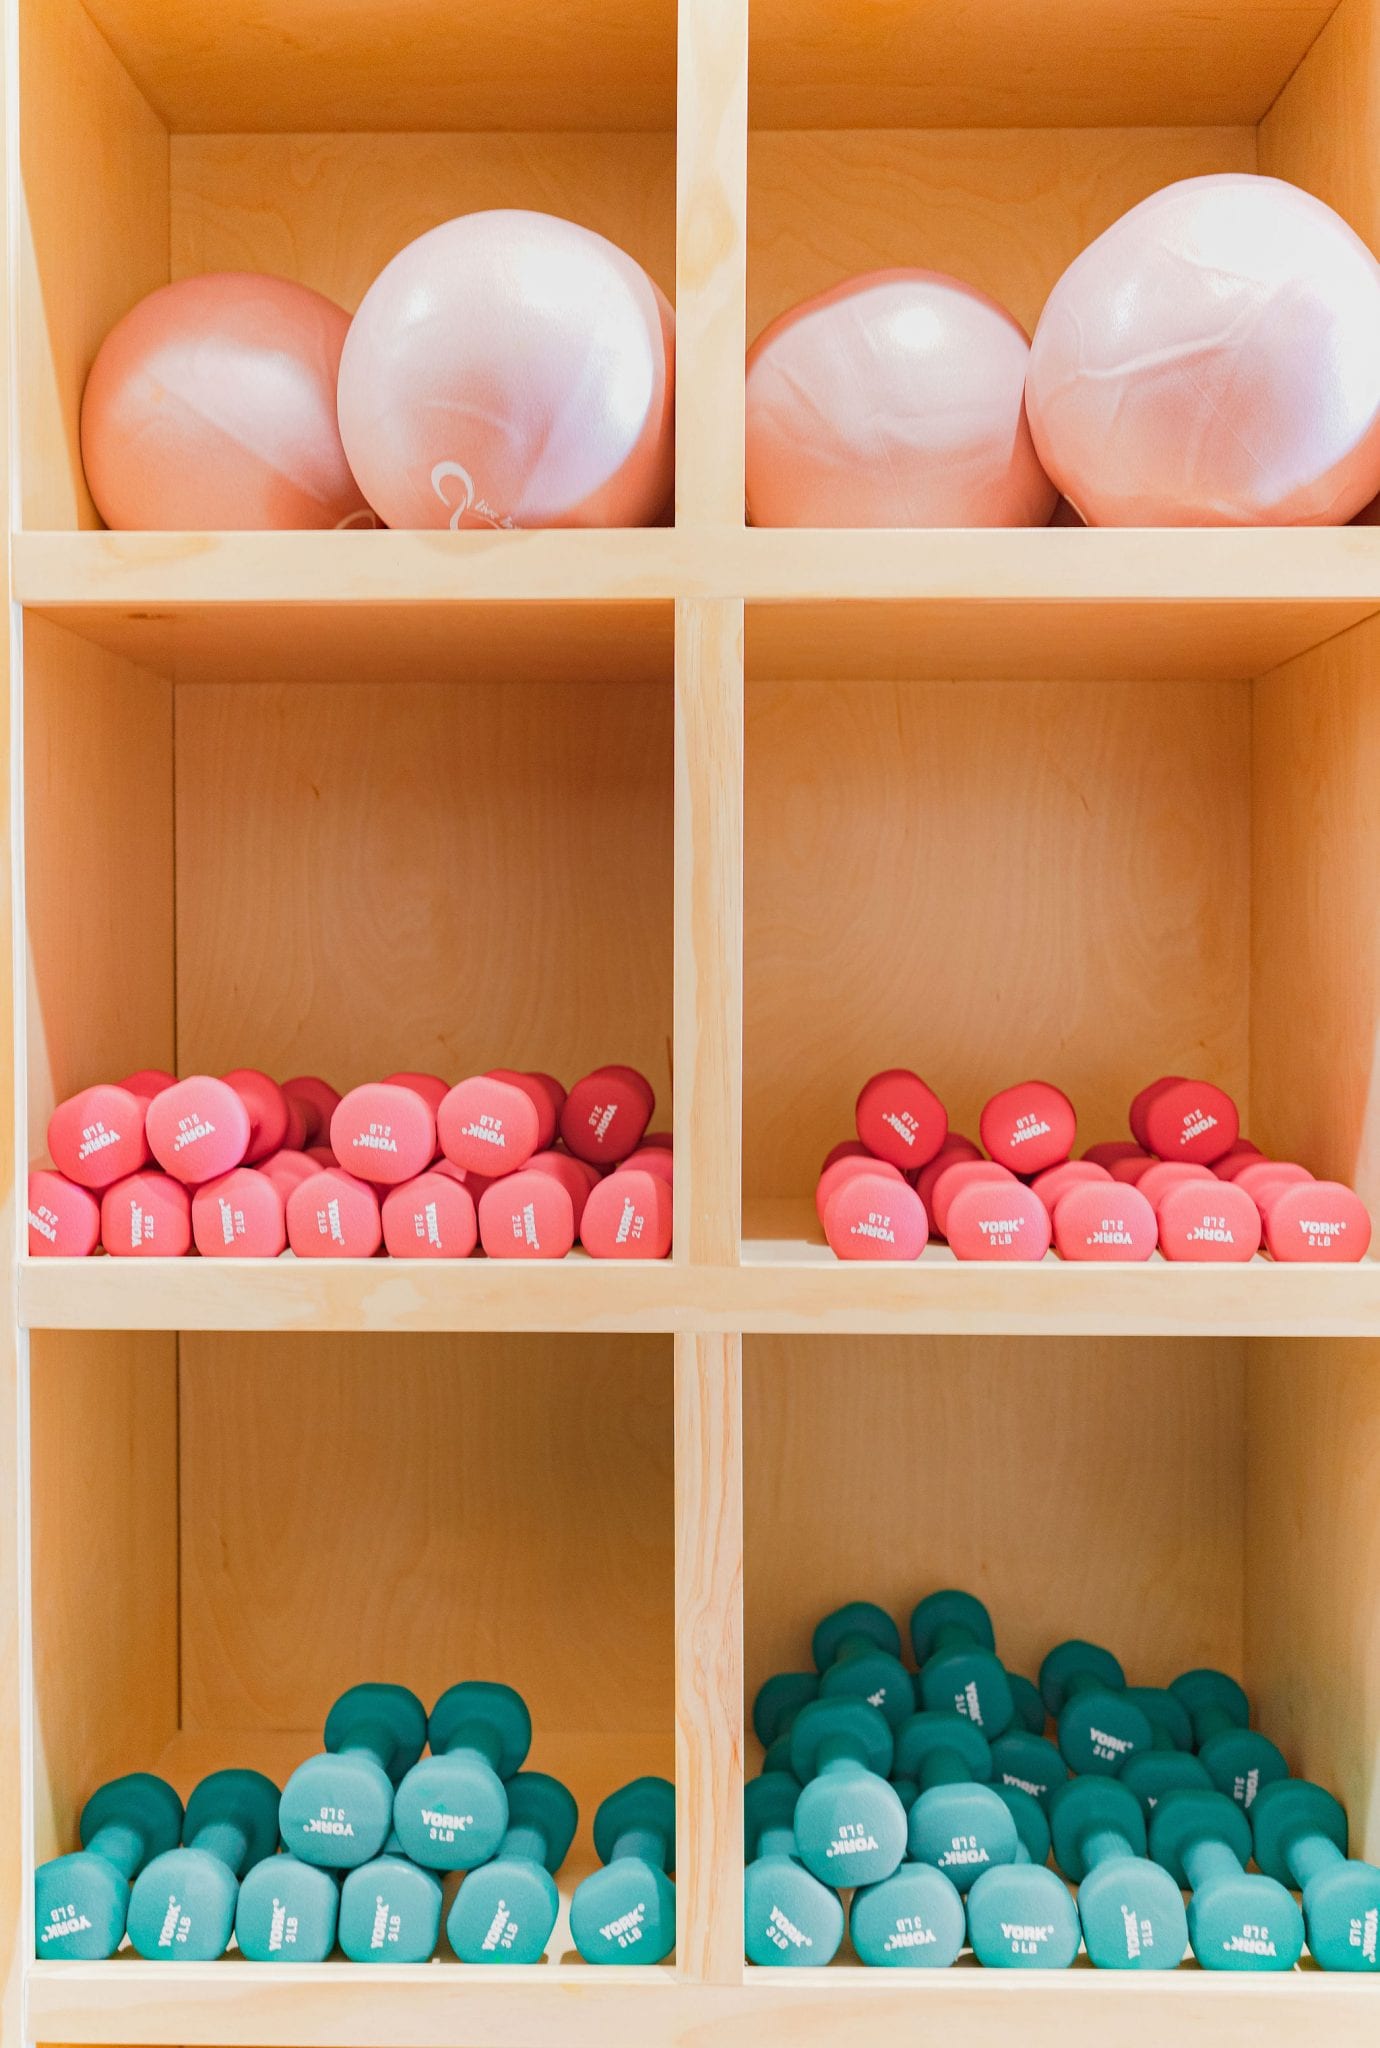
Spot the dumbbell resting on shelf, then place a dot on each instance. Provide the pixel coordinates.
(287, 1911)
(626, 1912)
(450, 1811)
(1131, 1910)
(81, 1901)
(1238, 1758)
(182, 1906)
(1237, 1920)
(1084, 1688)
(913, 1919)
(850, 1827)
(337, 1808)
(1300, 1836)
(505, 1911)
(790, 1918)
(1020, 1914)
(390, 1909)
(958, 1824)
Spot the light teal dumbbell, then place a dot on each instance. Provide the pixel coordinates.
(1300, 1835)
(960, 1672)
(850, 1827)
(450, 1811)
(958, 1824)
(912, 1920)
(790, 1919)
(857, 1651)
(1153, 1772)
(1022, 1917)
(626, 1912)
(505, 1911)
(1131, 1909)
(1084, 1688)
(1237, 1920)
(1237, 1758)
(182, 1907)
(778, 1702)
(1030, 1708)
(338, 1807)
(1028, 1762)
(287, 1911)
(390, 1909)
(81, 1901)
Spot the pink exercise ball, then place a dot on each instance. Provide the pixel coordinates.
(1213, 359)
(212, 404)
(511, 369)
(896, 399)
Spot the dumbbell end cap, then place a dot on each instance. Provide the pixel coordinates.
(1286, 1809)
(1030, 1763)
(1076, 1655)
(1245, 1922)
(912, 1920)
(1341, 1909)
(790, 1919)
(852, 1721)
(972, 1683)
(1182, 1818)
(855, 1617)
(779, 1699)
(398, 1708)
(1203, 1687)
(963, 1830)
(450, 1812)
(498, 1708)
(850, 1828)
(205, 1890)
(354, 1787)
(412, 1894)
(1022, 1917)
(286, 1912)
(504, 1913)
(1133, 1916)
(81, 1904)
(1151, 1773)
(139, 1799)
(928, 1731)
(624, 1913)
(1081, 1807)
(949, 1607)
(877, 1677)
(645, 1805)
(1240, 1761)
(246, 1797)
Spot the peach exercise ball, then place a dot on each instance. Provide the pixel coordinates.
(212, 404)
(896, 399)
(511, 369)
(1213, 359)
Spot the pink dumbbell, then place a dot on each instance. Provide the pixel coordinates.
(64, 1219)
(384, 1132)
(1132, 1169)
(432, 1089)
(488, 1126)
(1163, 1174)
(1259, 1175)
(239, 1216)
(431, 1217)
(269, 1114)
(1117, 1148)
(317, 1101)
(1056, 1181)
(526, 1215)
(198, 1129)
(1029, 1127)
(1242, 1153)
(655, 1159)
(842, 1170)
(963, 1173)
(577, 1178)
(900, 1118)
(1191, 1121)
(955, 1151)
(147, 1216)
(872, 1215)
(628, 1216)
(286, 1168)
(990, 1219)
(548, 1112)
(99, 1135)
(1103, 1221)
(1208, 1222)
(605, 1115)
(334, 1216)
(1317, 1222)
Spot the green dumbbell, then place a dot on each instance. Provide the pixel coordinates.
(1020, 1914)
(1030, 1708)
(287, 1911)
(774, 1710)
(1085, 1689)
(1032, 1828)
(81, 1901)
(1151, 1773)
(338, 1807)
(390, 1909)
(1237, 1920)
(182, 1907)
(505, 1911)
(450, 1811)
(1300, 1836)
(1170, 1725)
(1028, 1762)
(850, 1827)
(912, 1920)
(960, 1673)
(1131, 1909)
(1236, 1757)
(626, 1912)
(790, 1918)
(958, 1824)
(857, 1650)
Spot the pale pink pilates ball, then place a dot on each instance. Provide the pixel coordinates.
(1213, 359)
(511, 369)
(212, 405)
(896, 399)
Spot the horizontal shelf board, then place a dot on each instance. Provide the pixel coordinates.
(1052, 602)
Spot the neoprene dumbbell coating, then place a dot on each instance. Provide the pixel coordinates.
(1237, 1920)
(1237, 1758)
(857, 1650)
(957, 1824)
(1030, 1708)
(850, 1827)
(338, 1807)
(451, 1810)
(1300, 1835)
(182, 1907)
(1084, 1688)
(960, 1673)
(1150, 1773)
(1131, 1910)
(390, 1909)
(1170, 1725)
(81, 1901)
(1016, 1918)
(287, 1912)
(1030, 1763)
(626, 1912)
(1032, 1828)
(774, 1710)
(505, 1911)
(912, 1920)
(790, 1919)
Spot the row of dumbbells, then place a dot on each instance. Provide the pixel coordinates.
(354, 1850)
(238, 1166)
(1186, 1183)
(936, 1797)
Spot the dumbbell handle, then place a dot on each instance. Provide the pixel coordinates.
(224, 1839)
(473, 1738)
(776, 1842)
(1210, 1721)
(1205, 1860)
(950, 1635)
(838, 1752)
(647, 1843)
(120, 1844)
(371, 1738)
(1309, 1855)
(1107, 1845)
(855, 1644)
(943, 1767)
(523, 1843)
(1082, 1681)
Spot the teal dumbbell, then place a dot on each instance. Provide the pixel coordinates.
(1153, 1772)
(857, 1650)
(774, 1710)
(1237, 1758)
(1030, 1708)
(790, 1919)
(1032, 1826)
(505, 1911)
(1237, 1920)
(1300, 1836)
(1028, 1762)
(957, 1824)
(450, 1811)
(287, 1912)
(182, 1907)
(912, 1920)
(626, 1912)
(81, 1901)
(850, 1827)
(1021, 1916)
(960, 1673)
(1084, 1688)
(1170, 1724)
(390, 1909)
(338, 1807)
(1131, 1909)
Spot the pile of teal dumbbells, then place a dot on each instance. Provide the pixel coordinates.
(937, 1797)
(353, 1854)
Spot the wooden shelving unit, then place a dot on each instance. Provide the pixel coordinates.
(760, 811)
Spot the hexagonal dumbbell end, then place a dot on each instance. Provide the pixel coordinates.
(626, 1912)
(1150, 1773)
(951, 1635)
(1238, 1759)
(81, 1901)
(1084, 1688)
(1027, 1763)
(912, 1920)
(1030, 1708)
(182, 1908)
(505, 1911)
(790, 1919)
(1237, 1920)
(1300, 1834)
(857, 1650)
(451, 1810)
(957, 1824)
(390, 1910)
(338, 1807)
(1170, 1724)
(287, 1912)
(1032, 1828)
(850, 1825)
(779, 1700)
(1022, 1917)
(1131, 1910)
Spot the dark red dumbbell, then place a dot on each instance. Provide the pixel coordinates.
(1141, 1101)
(1242, 1153)
(384, 1132)
(99, 1136)
(1191, 1121)
(147, 1081)
(538, 1089)
(900, 1118)
(576, 1176)
(432, 1089)
(240, 1216)
(146, 1216)
(1109, 1153)
(317, 1101)
(628, 1216)
(268, 1111)
(606, 1114)
(64, 1219)
(431, 1217)
(654, 1158)
(1260, 1174)
(1028, 1127)
(847, 1148)
(287, 1168)
(334, 1216)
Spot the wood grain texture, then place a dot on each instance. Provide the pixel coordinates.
(415, 876)
(1317, 132)
(987, 882)
(711, 205)
(880, 1470)
(1008, 63)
